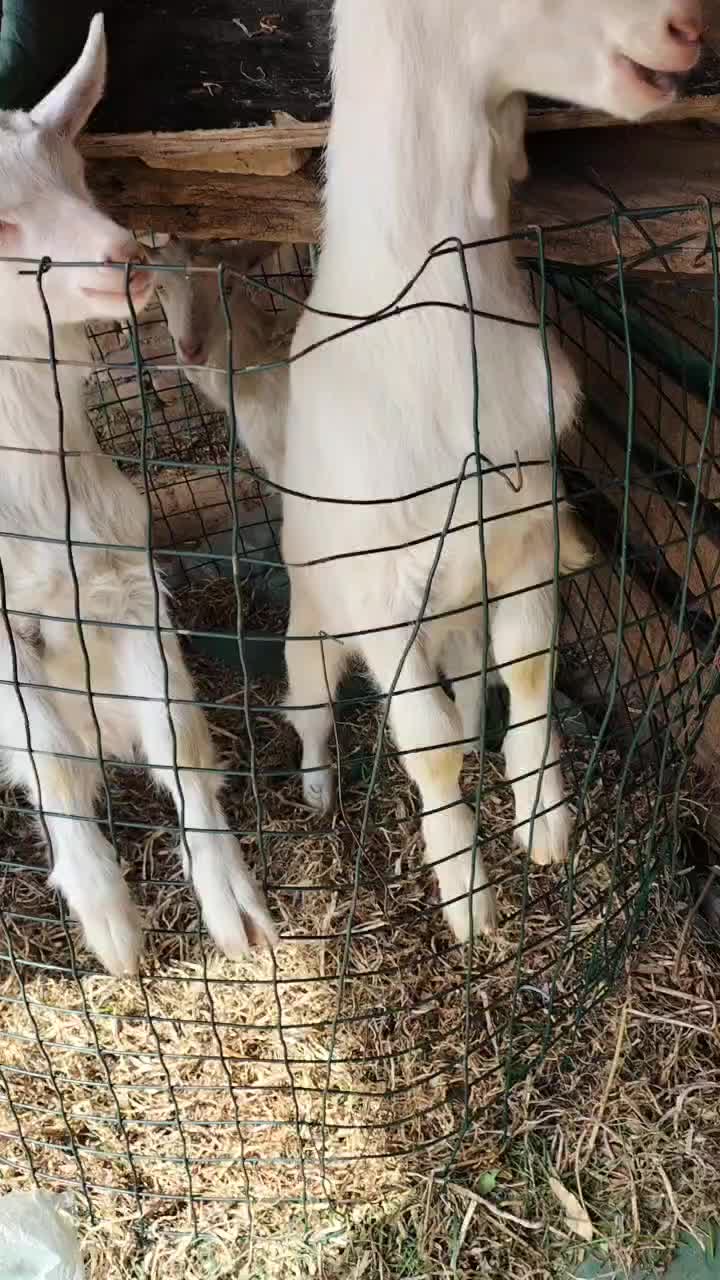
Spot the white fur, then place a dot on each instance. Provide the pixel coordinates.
(198, 324)
(45, 208)
(424, 140)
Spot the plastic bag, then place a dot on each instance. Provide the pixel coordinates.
(37, 1242)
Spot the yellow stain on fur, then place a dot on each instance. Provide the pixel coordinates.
(531, 677)
(576, 549)
(193, 753)
(441, 766)
(192, 738)
(512, 548)
(56, 790)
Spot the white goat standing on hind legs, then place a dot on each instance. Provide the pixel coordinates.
(63, 508)
(423, 142)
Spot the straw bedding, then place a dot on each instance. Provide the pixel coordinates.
(315, 1098)
(369, 1101)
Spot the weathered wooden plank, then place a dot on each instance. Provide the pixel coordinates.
(219, 149)
(201, 205)
(277, 150)
(576, 176)
(171, 145)
(277, 163)
(692, 106)
(226, 64)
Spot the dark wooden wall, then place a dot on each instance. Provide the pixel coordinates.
(214, 64)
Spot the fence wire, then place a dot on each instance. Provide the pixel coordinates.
(370, 1041)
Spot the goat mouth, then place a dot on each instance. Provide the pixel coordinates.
(662, 84)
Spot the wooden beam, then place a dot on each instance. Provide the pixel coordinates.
(694, 107)
(240, 150)
(203, 205)
(225, 149)
(152, 147)
(275, 164)
(576, 176)
(278, 149)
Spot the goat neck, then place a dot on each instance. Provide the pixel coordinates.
(412, 155)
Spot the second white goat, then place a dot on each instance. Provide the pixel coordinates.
(199, 326)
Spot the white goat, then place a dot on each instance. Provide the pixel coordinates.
(197, 321)
(49, 662)
(423, 141)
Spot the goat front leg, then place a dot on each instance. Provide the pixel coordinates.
(314, 665)
(522, 641)
(428, 730)
(44, 756)
(175, 738)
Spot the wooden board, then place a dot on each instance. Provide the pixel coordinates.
(232, 64)
(205, 205)
(576, 176)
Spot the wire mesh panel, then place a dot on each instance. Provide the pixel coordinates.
(247, 1096)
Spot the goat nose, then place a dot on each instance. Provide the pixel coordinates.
(190, 352)
(128, 252)
(686, 23)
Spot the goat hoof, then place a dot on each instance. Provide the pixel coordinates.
(97, 897)
(319, 790)
(484, 916)
(114, 934)
(550, 837)
(456, 880)
(233, 907)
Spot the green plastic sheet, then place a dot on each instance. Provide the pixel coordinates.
(39, 41)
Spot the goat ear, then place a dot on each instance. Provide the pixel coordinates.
(68, 106)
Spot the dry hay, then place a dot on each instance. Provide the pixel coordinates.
(328, 1104)
(312, 1101)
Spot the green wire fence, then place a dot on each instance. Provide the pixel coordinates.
(372, 1043)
